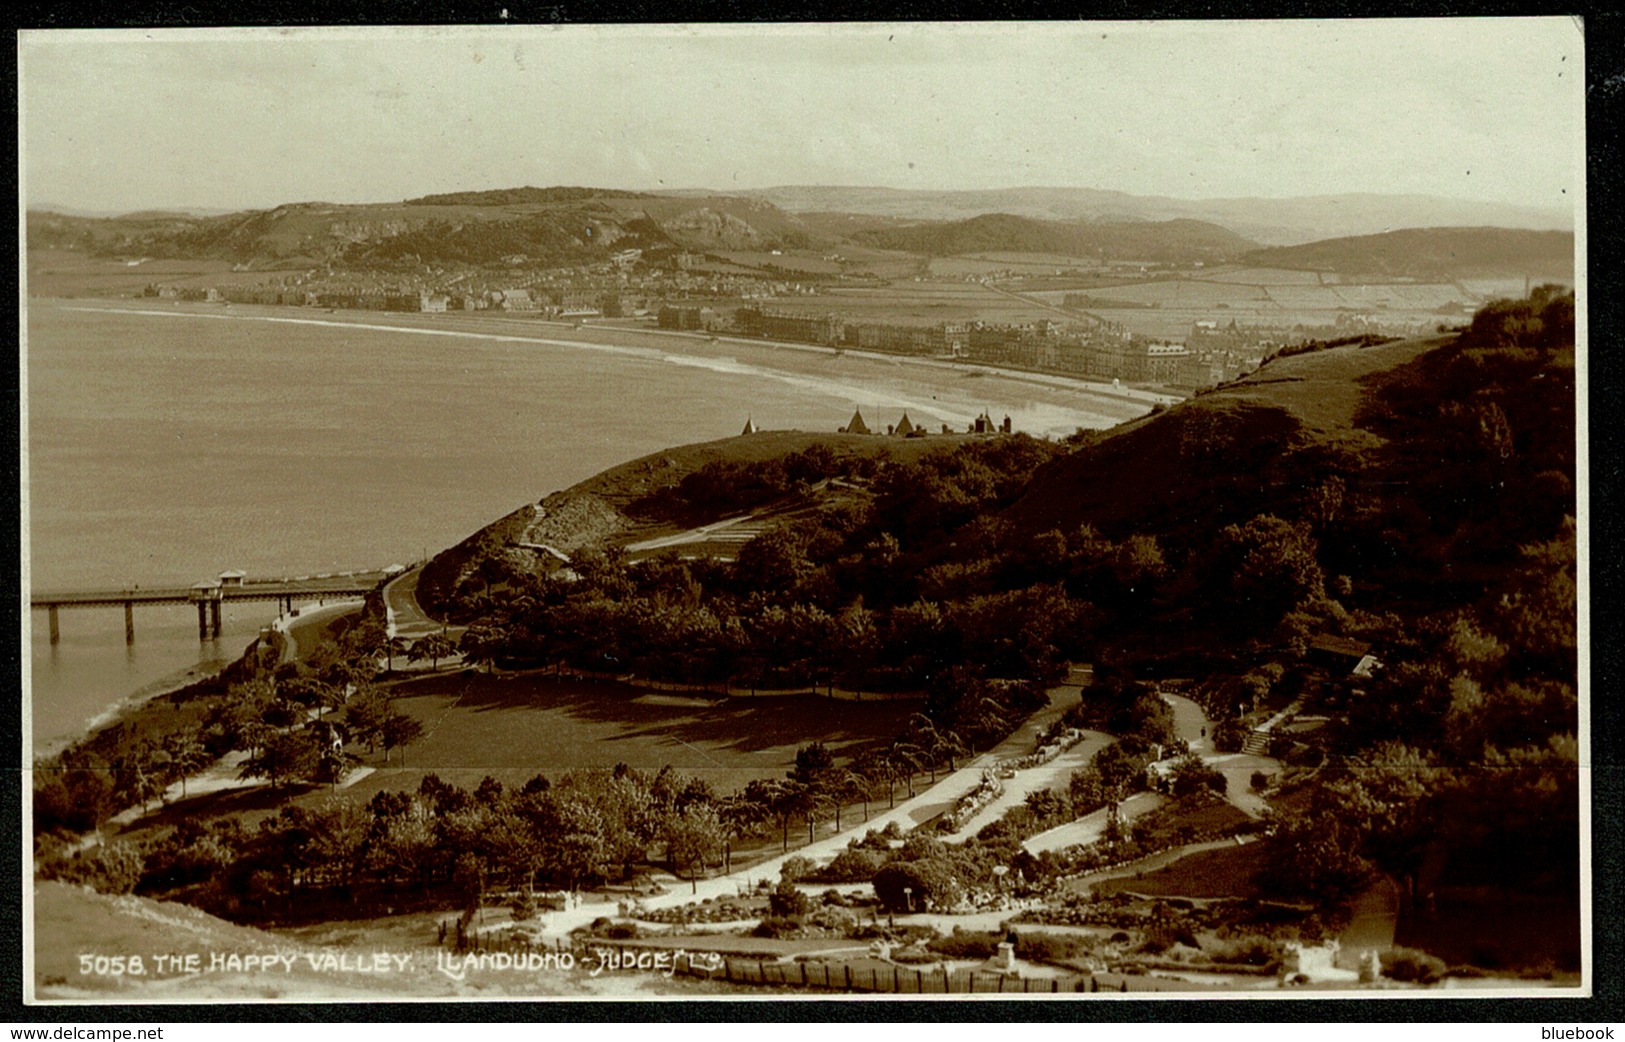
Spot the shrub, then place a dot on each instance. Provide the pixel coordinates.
(1260, 780)
(1249, 951)
(797, 868)
(1409, 964)
(933, 882)
(1229, 736)
(786, 901)
(1049, 947)
(776, 926)
(1191, 775)
(965, 944)
(853, 866)
(841, 921)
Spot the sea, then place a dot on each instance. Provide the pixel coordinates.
(165, 443)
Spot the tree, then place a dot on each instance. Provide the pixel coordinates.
(483, 642)
(692, 836)
(780, 800)
(187, 755)
(434, 647)
(1263, 569)
(392, 647)
(285, 756)
(399, 730)
(366, 713)
(740, 815)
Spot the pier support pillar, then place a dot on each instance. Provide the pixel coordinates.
(202, 620)
(129, 623)
(56, 630)
(214, 617)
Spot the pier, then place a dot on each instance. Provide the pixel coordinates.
(209, 595)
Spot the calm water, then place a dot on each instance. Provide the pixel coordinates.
(167, 446)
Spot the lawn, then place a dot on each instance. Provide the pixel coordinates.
(513, 726)
(1226, 872)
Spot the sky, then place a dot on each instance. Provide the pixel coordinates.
(1480, 108)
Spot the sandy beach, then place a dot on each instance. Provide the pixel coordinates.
(1051, 404)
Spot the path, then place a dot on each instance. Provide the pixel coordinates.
(1191, 725)
(406, 617)
(922, 807)
(303, 631)
(1090, 827)
(1053, 775)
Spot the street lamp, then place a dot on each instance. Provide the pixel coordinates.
(908, 896)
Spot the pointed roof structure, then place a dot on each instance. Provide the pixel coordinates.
(750, 427)
(857, 426)
(904, 428)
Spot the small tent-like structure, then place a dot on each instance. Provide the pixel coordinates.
(857, 426)
(904, 427)
(750, 427)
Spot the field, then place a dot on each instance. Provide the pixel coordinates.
(922, 303)
(792, 262)
(65, 273)
(1168, 307)
(512, 727)
(1263, 276)
(1016, 263)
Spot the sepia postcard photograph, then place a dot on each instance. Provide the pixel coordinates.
(951, 511)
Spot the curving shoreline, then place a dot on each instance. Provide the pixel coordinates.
(763, 358)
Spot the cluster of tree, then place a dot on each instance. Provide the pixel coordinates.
(293, 720)
(1544, 320)
(730, 485)
(1463, 748)
(836, 598)
(1124, 707)
(441, 844)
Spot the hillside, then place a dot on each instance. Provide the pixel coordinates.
(624, 502)
(1433, 254)
(1178, 241)
(1425, 466)
(551, 226)
(70, 921)
(1274, 221)
(1218, 458)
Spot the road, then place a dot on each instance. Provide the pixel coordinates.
(406, 617)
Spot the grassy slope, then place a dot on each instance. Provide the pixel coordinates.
(1433, 253)
(1213, 460)
(70, 921)
(619, 487)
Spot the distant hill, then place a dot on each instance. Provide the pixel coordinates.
(1176, 241)
(1431, 253)
(1270, 221)
(535, 225)
(522, 196)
